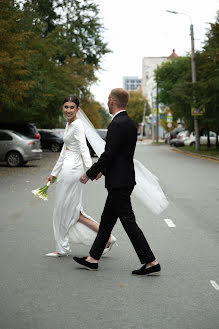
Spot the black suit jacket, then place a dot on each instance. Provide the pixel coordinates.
(116, 162)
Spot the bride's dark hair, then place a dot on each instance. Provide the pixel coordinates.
(71, 98)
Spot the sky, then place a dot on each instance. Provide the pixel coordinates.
(142, 28)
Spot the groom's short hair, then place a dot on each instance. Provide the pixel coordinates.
(120, 97)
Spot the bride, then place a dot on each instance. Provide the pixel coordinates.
(70, 222)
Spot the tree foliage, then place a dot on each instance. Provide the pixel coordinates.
(135, 107)
(180, 94)
(49, 49)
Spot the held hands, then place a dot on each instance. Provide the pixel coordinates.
(84, 179)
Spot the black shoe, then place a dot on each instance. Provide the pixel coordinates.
(154, 270)
(88, 265)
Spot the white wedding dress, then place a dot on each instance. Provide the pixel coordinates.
(68, 196)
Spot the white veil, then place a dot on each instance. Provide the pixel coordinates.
(147, 188)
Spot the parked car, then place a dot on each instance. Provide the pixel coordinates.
(16, 149)
(59, 131)
(179, 140)
(25, 128)
(50, 140)
(190, 139)
(174, 133)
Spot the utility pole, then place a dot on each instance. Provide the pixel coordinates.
(143, 122)
(157, 121)
(196, 125)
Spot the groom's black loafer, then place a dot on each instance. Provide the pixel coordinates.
(153, 270)
(82, 261)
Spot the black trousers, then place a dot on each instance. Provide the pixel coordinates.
(118, 205)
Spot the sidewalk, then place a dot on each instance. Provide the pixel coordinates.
(147, 141)
(196, 155)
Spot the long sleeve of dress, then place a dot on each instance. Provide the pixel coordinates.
(58, 166)
(80, 137)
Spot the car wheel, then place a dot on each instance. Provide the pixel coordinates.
(192, 144)
(14, 159)
(55, 147)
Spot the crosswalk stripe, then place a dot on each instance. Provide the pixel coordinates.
(214, 284)
(169, 222)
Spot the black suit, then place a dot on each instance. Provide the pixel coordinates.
(116, 162)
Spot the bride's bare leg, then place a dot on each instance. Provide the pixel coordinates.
(91, 224)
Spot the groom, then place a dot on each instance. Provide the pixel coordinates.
(116, 162)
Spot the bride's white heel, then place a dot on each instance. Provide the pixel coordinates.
(112, 242)
(55, 254)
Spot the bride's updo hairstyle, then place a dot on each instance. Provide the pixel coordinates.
(72, 99)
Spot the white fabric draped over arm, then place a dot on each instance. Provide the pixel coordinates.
(58, 165)
(80, 137)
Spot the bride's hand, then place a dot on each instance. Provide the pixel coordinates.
(50, 179)
(84, 178)
(98, 176)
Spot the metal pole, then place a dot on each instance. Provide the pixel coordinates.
(152, 125)
(143, 122)
(157, 121)
(196, 125)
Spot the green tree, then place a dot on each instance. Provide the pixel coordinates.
(46, 56)
(208, 79)
(91, 109)
(14, 80)
(135, 107)
(105, 117)
(180, 94)
(175, 88)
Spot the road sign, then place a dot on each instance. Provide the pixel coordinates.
(198, 110)
(169, 125)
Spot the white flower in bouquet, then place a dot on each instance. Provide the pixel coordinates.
(41, 192)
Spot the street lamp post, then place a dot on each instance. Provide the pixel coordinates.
(157, 122)
(196, 125)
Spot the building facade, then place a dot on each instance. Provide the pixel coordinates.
(149, 86)
(131, 83)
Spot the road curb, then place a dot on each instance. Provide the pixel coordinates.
(196, 155)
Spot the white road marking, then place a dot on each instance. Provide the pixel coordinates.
(214, 284)
(169, 222)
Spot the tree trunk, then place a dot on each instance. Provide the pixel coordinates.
(209, 142)
(217, 144)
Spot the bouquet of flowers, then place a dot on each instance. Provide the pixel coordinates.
(41, 192)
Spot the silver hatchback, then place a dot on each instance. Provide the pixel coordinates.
(16, 149)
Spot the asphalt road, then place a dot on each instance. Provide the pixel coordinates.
(47, 293)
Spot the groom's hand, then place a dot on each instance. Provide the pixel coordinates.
(84, 178)
(98, 176)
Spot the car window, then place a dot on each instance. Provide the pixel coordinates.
(5, 136)
(20, 135)
(42, 133)
(47, 134)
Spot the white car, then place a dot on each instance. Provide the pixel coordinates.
(16, 149)
(190, 140)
